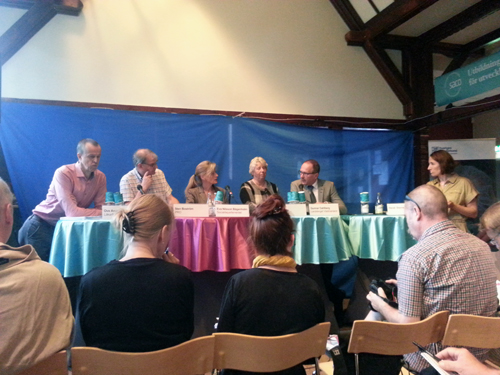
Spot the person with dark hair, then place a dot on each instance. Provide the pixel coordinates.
(146, 174)
(459, 191)
(315, 189)
(144, 301)
(271, 299)
(35, 311)
(72, 191)
(203, 183)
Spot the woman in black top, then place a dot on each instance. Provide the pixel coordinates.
(144, 301)
(271, 299)
(258, 189)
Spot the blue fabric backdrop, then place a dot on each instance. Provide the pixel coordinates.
(37, 139)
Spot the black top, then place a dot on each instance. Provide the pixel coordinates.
(270, 303)
(138, 305)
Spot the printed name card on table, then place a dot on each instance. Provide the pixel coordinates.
(232, 210)
(321, 209)
(395, 209)
(296, 209)
(190, 210)
(109, 212)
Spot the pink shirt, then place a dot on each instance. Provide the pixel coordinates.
(70, 194)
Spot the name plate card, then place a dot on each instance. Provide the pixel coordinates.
(321, 209)
(109, 212)
(232, 210)
(395, 209)
(190, 210)
(296, 209)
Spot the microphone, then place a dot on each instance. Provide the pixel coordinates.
(229, 193)
(301, 187)
(139, 187)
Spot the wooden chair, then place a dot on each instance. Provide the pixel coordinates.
(474, 331)
(272, 353)
(190, 358)
(395, 338)
(56, 364)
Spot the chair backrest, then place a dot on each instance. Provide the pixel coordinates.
(190, 358)
(56, 364)
(268, 354)
(473, 331)
(396, 338)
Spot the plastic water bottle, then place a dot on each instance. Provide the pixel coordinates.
(211, 205)
(379, 207)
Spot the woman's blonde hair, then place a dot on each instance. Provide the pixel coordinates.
(253, 164)
(491, 217)
(145, 216)
(204, 168)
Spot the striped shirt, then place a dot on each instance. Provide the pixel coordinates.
(447, 269)
(129, 182)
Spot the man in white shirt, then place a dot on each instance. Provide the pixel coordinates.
(148, 176)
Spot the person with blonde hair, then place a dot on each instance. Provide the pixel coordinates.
(144, 301)
(459, 191)
(258, 189)
(202, 183)
(272, 298)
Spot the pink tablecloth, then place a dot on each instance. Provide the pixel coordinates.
(212, 244)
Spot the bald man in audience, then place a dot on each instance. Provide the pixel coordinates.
(146, 174)
(35, 310)
(447, 269)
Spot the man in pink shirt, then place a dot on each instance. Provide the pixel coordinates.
(73, 189)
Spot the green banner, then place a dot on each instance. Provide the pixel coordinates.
(471, 80)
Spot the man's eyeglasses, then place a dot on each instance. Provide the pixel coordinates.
(493, 241)
(305, 173)
(155, 164)
(407, 198)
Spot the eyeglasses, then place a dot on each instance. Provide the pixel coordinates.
(155, 164)
(407, 198)
(493, 241)
(305, 173)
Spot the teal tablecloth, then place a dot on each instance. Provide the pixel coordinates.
(321, 240)
(80, 245)
(379, 237)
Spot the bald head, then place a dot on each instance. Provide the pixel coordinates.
(6, 196)
(141, 156)
(432, 202)
(6, 214)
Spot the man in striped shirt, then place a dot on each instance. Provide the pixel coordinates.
(146, 174)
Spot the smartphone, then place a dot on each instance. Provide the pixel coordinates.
(431, 359)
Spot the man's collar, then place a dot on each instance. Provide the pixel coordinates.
(436, 228)
(137, 174)
(79, 172)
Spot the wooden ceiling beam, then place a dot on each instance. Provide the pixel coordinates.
(402, 43)
(456, 113)
(23, 30)
(394, 15)
(348, 14)
(460, 21)
(68, 7)
(391, 74)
